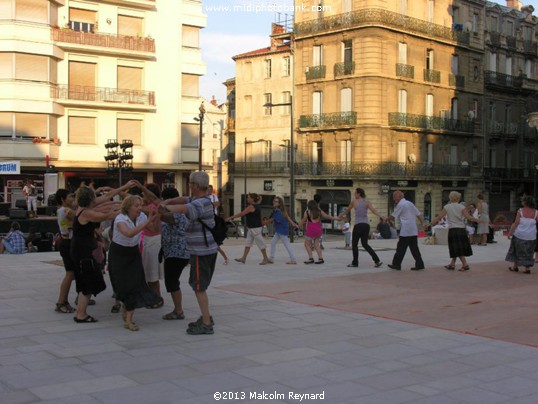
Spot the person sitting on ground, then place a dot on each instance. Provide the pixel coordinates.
(32, 239)
(382, 230)
(13, 243)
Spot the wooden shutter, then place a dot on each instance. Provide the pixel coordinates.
(6, 10)
(130, 26)
(129, 78)
(31, 67)
(6, 124)
(189, 135)
(31, 125)
(190, 85)
(81, 130)
(81, 74)
(6, 65)
(190, 36)
(32, 10)
(79, 15)
(130, 129)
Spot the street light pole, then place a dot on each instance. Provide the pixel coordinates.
(200, 135)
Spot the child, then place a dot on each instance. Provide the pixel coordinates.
(14, 242)
(314, 230)
(346, 230)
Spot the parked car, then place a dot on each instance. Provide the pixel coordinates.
(235, 229)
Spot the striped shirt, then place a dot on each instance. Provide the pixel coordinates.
(200, 208)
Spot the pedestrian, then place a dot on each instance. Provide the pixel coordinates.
(483, 226)
(13, 242)
(408, 214)
(314, 230)
(346, 231)
(361, 229)
(174, 253)
(472, 226)
(200, 245)
(458, 239)
(91, 210)
(30, 191)
(65, 215)
(253, 216)
(125, 260)
(522, 236)
(282, 221)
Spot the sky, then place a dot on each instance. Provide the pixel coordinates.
(231, 32)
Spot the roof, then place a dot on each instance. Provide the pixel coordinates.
(262, 51)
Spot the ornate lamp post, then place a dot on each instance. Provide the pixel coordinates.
(200, 134)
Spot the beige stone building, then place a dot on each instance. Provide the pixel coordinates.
(75, 74)
(398, 94)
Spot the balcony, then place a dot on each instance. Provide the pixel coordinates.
(103, 94)
(403, 70)
(315, 72)
(374, 169)
(374, 16)
(331, 120)
(430, 122)
(456, 80)
(507, 131)
(432, 76)
(511, 42)
(495, 39)
(344, 68)
(529, 47)
(104, 40)
(502, 80)
(504, 173)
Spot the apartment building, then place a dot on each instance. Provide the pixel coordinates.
(75, 75)
(400, 94)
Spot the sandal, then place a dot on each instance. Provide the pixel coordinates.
(513, 269)
(64, 308)
(116, 308)
(527, 271)
(174, 316)
(465, 268)
(320, 261)
(309, 261)
(157, 305)
(87, 319)
(131, 326)
(450, 267)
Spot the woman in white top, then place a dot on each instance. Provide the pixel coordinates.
(458, 241)
(523, 236)
(125, 260)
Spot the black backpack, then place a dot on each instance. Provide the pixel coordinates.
(219, 232)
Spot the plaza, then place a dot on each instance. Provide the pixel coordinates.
(284, 333)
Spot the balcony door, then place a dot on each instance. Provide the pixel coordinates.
(317, 157)
(402, 151)
(345, 100)
(402, 53)
(82, 81)
(317, 107)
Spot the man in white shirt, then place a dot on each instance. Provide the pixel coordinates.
(408, 213)
(214, 198)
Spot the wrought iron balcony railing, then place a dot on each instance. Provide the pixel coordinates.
(403, 70)
(456, 80)
(374, 169)
(374, 16)
(501, 79)
(102, 94)
(505, 173)
(330, 120)
(344, 68)
(430, 122)
(433, 76)
(529, 47)
(511, 42)
(315, 72)
(105, 40)
(495, 38)
(505, 130)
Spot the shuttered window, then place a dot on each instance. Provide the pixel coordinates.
(81, 130)
(129, 78)
(130, 129)
(79, 15)
(81, 74)
(189, 135)
(190, 36)
(6, 124)
(31, 67)
(6, 10)
(6, 65)
(31, 125)
(190, 85)
(32, 10)
(130, 26)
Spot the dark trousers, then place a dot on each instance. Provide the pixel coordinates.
(401, 249)
(361, 231)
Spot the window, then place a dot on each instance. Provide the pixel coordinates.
(429, 105)
(267, 68)
(190, 36)
(509, 28)
(190, 84)
(345, 151)
(317, 55)
(345, 100)
(492, 61)
(23, 66)
(454, 65)
(82, 81)
(31, 10)
(82, 20)
(129, 78)
(429, 59)
(317, 102)
(268, 99)
(508, 66)
(402, 53)
(129, 129)
(26, 125)
(317, 152)
(474, 108)
(453, 158)
(454, 108)
(430, 10)
(494, 23)
(286, 99)
(528, 68)
(266, 151)
(493, 157)
(347, 50)
(130, 26)
(492, 111)
(286, 151)
(455, 15)
(429, 153)
(189, 135)
(347, 6)
(403, 7)
(286, 66)
(402, 101)
(475, 23)
(81, 130)
(402, 151)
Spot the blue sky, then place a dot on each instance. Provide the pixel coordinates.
(230, 33)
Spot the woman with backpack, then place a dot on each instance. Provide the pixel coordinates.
(253, 215)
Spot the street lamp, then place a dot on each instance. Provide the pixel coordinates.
(200, 133)
(292, 155)
(119, 157)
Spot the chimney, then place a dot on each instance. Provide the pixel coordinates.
(515, 4)
(213, 101)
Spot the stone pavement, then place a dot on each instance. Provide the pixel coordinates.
(349, 335)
